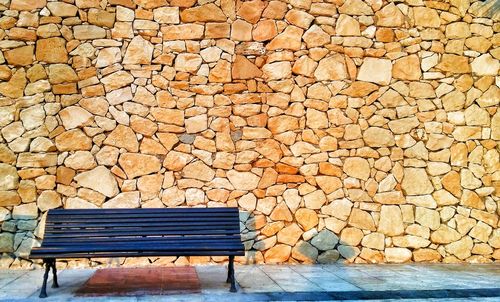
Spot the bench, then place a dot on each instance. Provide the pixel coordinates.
(147, 232)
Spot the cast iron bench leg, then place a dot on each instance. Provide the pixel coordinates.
(54, 273)
(43, 291)
(230, 275)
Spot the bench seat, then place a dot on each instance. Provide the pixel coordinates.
(104, 233)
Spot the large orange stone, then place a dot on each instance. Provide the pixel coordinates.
(243, 69)
(205, 13)
(51, 50)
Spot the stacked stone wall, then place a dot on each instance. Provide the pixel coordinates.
(363, 131)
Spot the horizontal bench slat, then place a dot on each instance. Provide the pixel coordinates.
(124, 247)
(146, 233)
(55, 226)
(61, 218)
(191, 211)
(141, 239)
(136, 254)
(91, 245)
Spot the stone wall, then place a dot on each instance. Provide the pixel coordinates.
(358, 130)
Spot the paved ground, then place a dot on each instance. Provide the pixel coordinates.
(430, 282)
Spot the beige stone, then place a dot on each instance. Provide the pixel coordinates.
(391, 221)
(204, 13)
(389, 16)
(134, 164)
(139, 51)
(123, 137)
(347, 26)
(278, 254)
(378, 137)
(98, 179)
(407, 68)
(416, 182)
(426, 17)
(306, 218)
(73, 117)
(397, 255)
(123, 200)
(290, 38)
(331, 68)
(357, 167)
(73, 140)
(378, 71)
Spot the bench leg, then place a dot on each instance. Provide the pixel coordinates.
(230, 275)
(43, 291)
(54, 274)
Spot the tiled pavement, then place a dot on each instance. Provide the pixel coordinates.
(429, 282)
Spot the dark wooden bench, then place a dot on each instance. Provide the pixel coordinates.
(87, 233)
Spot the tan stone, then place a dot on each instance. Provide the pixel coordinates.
(426, 17)
(290, 234)
(62, 9)
(21, 56)
(251, 11)
(98, 179)
(88, 32)
(391, 221)
(61, 73)
(378, 137)
(278, 254)
(35, 160)
(9, 178)
(221, 72)
(444, 235)
(198, 170)
(378, 71)
(166, 15)
(397, 255)
(149, 4)
(117, 80)
(485, 65)
(48, 200)
(416, 182)
(347, 26)
(123, 137)
(454, 63)
(290, 38)
(73, 117)
(188, 62)
(243, 180)
(244, 69)
(374, 241)
(389, 16)
(204, 13)
(299, 18)
(407, 68)
(27, 5)
(451, 182)
(139, 51)
(306, 218)
(264, 30)
(73, 140)
(357, 167)
(183, 32)
(461, 248)
(14, 88)
(361, 219)
(135, 164)
(351, 236)
(123, 200)
(331, 68)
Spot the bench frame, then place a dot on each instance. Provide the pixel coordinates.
(50, 257)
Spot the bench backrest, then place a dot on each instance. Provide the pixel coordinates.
(93, 230)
